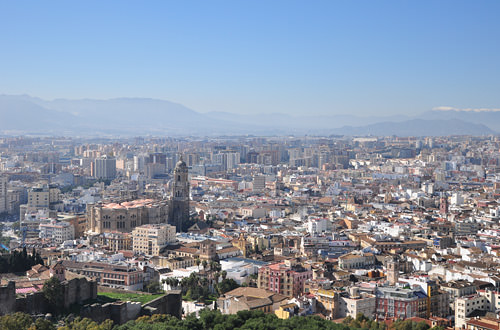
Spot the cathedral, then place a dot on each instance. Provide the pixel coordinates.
(125, 216)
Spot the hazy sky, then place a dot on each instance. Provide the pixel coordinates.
(324, 57)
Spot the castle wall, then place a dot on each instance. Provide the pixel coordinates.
(7, 298)
(171, 304)
(78, 290)
(119, 312)
(74, 291)
(123, 311)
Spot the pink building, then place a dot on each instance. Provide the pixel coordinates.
(284, 278)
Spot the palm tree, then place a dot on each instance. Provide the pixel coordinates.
(216, 277)
(204, 264)
(224, 274)
(215, 266)
(197, 262)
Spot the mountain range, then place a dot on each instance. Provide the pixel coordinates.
(22, 114)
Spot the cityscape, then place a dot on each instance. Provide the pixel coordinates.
(394, 228)
(229, 165)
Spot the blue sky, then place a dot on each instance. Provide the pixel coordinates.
(297, 57)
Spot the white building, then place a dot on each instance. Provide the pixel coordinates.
(457, 199)
(364, 303)
(317, 226)
(464, 306)
(151, 238)
(104, 168)
(239, 269)
(57, 231)
(228, 159)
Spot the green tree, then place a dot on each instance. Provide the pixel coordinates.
(226, 285)
(215, 266)
(52, 291)
(42, 324)
(153, 287)
(15, 321)
(420, 326)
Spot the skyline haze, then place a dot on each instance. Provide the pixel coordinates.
(325, 58)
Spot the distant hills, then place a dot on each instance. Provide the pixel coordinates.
(141, 116)
(419, 127)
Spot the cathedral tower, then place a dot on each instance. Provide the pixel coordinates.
(179, 206)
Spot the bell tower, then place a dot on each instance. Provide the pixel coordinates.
(242, 244)
(392, 271)
(179, 206)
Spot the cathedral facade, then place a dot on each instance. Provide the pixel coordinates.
(125, 216)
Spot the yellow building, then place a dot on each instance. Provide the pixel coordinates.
(285, 311)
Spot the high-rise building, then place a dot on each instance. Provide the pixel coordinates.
(157, 158)
(227, 158)
(3, 194)
(104, 168)
(259, 183)
(179, 207)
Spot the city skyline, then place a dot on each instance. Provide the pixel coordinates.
(326, 58)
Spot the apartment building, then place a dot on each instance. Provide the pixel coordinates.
(284, 278)
(57, 231)
(357, 302)
(152, 238)
(104, 168)
(3, 194)
(399, 303)
(464, 306)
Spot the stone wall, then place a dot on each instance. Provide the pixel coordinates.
(78, 290)
(32, 303)
(120, 312)
(75, 291)
(7, 298)
(170, 303)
